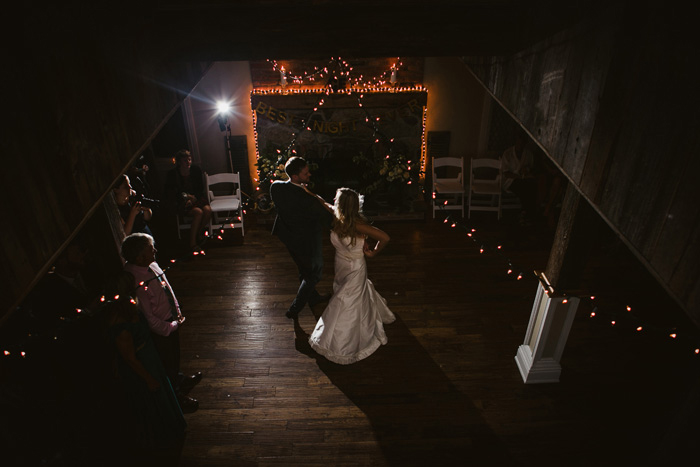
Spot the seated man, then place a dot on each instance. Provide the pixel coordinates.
(162, 311)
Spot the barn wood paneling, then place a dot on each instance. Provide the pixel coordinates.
(81, 110)
(613, 104)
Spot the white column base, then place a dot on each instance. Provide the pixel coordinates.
(545, 370)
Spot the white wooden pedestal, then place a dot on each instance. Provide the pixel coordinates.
(550, 322)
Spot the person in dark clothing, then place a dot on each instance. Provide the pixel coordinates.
(300, 224)
(135, 216)
(184, 187)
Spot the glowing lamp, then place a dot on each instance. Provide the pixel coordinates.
(223, 107)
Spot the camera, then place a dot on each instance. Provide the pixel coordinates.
(147, 202)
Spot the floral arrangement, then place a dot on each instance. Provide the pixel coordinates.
(270, 168)
(387, 171)
(396, 168)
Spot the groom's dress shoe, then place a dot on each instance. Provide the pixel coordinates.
(190, 382)
(292, 313)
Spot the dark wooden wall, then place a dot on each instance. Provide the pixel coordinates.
(82, 100)
(614, 103)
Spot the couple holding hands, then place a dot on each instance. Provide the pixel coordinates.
(351, 327)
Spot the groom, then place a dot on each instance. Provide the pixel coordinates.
(300, 224)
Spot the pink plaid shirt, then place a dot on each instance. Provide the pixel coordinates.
(153, 298)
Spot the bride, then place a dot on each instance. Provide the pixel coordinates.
(351, 327)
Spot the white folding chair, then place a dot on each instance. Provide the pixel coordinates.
(485, 186)
(448, 187)
(183, 223)
(226, 209)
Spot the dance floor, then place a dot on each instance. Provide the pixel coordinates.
(445, 390)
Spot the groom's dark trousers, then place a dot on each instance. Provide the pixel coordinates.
(300, 224)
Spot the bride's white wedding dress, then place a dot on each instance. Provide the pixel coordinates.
(351, 327)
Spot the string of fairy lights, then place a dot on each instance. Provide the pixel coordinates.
(336, 77)
(621, 316)
(19, 348)
(338, 74)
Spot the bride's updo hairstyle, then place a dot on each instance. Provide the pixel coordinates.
(347, 209)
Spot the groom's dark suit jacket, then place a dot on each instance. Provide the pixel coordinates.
(301, 219)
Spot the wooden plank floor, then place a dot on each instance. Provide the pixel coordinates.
(445, 390)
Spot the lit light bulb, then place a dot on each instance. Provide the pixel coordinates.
(223, 108)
